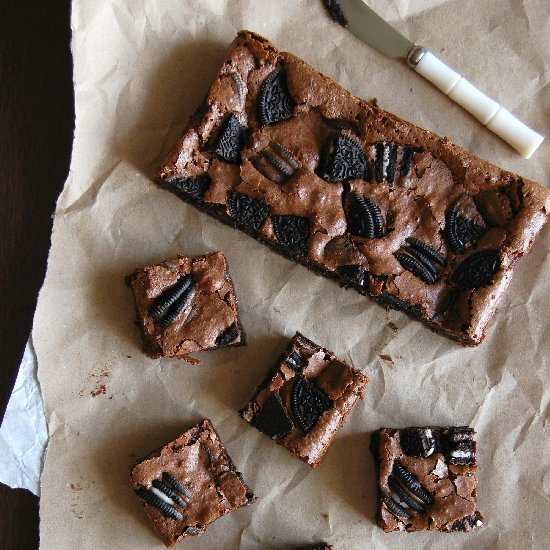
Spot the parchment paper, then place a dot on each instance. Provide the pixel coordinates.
(141, 68)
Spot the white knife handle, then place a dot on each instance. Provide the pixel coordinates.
(487, 111)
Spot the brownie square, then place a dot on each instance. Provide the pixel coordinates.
(189, 483)
(185, 305)
(426, 479)
(306, 399)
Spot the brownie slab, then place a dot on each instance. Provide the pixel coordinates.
(189, 483)
(305, 399)
(353, 192)
(426, 479)
(185, 305)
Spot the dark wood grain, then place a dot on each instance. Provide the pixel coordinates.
(36, 125)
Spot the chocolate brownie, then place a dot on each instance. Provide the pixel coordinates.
(320, 546)
(353, 192)
(185, 305)
(426, 479)
(189, 483)
(305, 399)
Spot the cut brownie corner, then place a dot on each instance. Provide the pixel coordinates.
(185, 305)
(305, 399)
(189, 483)
(426, 479)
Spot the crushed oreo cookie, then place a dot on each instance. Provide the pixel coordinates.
(229, 140)
(307, 403)
(274, 100)
(467, 523)
(343, 159)
(249, 212)
(417, 441)
(478, 269)
(191, 187)
(272, 419)
(296, 362)
(292, 232)
(353, 273)
(459, 446)
(364, 217)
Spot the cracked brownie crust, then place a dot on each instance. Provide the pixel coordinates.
(353, 192)
(426, 479)
(185, 305)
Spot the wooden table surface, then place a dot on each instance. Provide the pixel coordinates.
(36, 125)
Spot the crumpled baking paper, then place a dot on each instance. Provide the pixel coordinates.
(141, 68)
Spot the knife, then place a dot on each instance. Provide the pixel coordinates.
(356, 16)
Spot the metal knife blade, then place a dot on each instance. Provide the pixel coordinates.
(369, 27)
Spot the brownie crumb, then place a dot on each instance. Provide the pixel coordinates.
(335, 11)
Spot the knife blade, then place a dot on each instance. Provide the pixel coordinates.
(370, 28)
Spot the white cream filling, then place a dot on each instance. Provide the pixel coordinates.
(162, 496)
(385, 161)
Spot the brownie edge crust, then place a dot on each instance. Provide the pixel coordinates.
(354, 193)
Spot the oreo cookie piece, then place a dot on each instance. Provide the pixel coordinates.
(169, 296)
(248, 211)
(273, 419)
(292, 232)
(229, 141)
(364, 217)
(404, 497)
(307, 403)
(461, 231)
(274, 101)
(467, 523)
(395, 508)
(343, 159)
(226, 337)
(276, 163)
(420, 259)
(175, 310)
(296, 362)
(168, 492)
(353, 273)
(191, 187)
(478, 269)
(459, 445)
(411, 483)
(417, 441)
(177, 485)
(157, 502)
